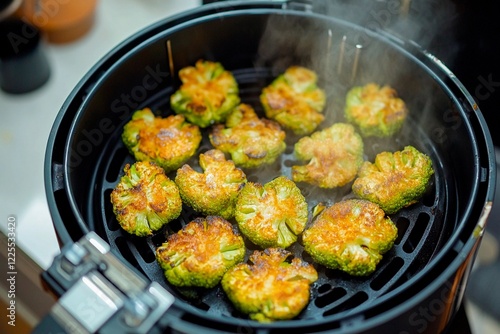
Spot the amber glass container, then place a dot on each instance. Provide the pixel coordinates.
(61, 21)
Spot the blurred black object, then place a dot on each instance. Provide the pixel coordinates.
(477, 60)
(24, 66)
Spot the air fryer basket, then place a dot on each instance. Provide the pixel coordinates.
(437, 236)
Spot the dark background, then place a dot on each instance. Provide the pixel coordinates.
(475, 61)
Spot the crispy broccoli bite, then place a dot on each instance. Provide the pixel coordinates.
(145, 199)
(169, 141)
(376, 111)
(351, 236)
(201, 252)
(334, 154)
(214, 191)
(273, 214)
(207, 95)
(271, 288)
(294, 100)
(395, 180)
(250, 140)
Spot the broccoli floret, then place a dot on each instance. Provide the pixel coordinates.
(273, 214)
(295, 101)
(201, 252)
(207, 95)
(169, 141)
(214, 191)
(334, 154)
(395, 180)
(270, 288)
(250, 140)
(351, 236)
(145, 199)
(376, 111)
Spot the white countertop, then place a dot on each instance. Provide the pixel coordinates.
(26, 120)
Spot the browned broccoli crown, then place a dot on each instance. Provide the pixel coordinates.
(395, 180)
(294, 100)
(214, 191)
(169, 141)
(270, 287)
(145, 199)
(273, 214)
(251, 141)
(350, 236)
(334, 156)
(377, 111)
(201, 252)
(207, 95)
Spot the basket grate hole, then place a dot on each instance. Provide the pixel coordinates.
(116, 165)
(355, 300)
(387, 274)
(187, 216)
(125, 251)
(430, 197)
(324, 288)
(159, 238)
(307, 257)
(330, 297)
(111, 221)
(145, 250)
(416, 233)
(402, 224)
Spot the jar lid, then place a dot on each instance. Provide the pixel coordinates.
(8, 7)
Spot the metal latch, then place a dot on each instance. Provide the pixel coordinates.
(99, 293)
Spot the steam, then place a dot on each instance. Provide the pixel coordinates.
(350, 52)
(427, 23)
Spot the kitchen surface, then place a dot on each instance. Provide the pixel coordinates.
(25, 123)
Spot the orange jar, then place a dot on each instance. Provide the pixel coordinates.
(60, 20)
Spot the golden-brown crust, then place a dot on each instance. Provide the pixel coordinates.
(294, 100)
(350, 235)
(376, 111)
(335, 155)
(395, 179)
(251, 140)
(168, 138)
(273, 214)
(389, 107)
(199, 243)
(202, 89)
(268, 289)
(214, 191)
(149, 191)
(346, 222)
